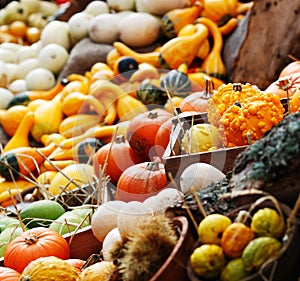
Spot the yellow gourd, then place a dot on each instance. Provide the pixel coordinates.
(173, 53)
(21, 136)
(48, 117)
(213, 63)
(128, 107)
(77, 124)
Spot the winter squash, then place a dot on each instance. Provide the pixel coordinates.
(103, 270)
(163, 137)
(295, 101)
(142, 130)
(291, 68)
(32, 244)
(197, 101)
(141, 181)
(149, 93)
(125, 66)
(8, 274)
(176, 83)
(118, 155)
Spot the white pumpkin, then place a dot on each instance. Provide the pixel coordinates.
(26, 66)
(121, 5)
(79, 26)
(158, 7)
(5, 97)
(139, 29)
(199, 175)
(95, 8)
(40, 79)
(105, 218)
(109, 241)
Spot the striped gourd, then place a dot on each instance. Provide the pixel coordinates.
(176, 83)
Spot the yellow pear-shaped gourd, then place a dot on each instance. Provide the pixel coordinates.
(21, 136)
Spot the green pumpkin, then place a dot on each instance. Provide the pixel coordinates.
(151, 94)
(176, 83)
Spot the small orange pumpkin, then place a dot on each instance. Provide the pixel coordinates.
(291, 68)
(8, 274)
(141, 181)
(32, 244)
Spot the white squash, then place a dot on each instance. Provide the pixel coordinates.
(56, 32)
(139, 29)
(79, 26)
(104, 28)
(109, 241)
(25, 52)
(3, 74)
(121, 5)
(158, 7)
(95, 8)
(17, 86)
(199, 175)
(26, 66)
(40, 79)
(12, 71)
(105, 218)
(53, 57)
(130, 215)
(5, 97)
(7, 56)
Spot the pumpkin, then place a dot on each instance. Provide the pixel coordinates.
(149, 93)
(163, 137)
(49, 268)
(176, 83)
(104, 271)
(141, 181)
(197, 101)
(118, 156)
(285, 85)
(291, 68)
(295, 101)
(142, 130)
(174, 20)
(32, 244)
(8, 274)
(77, 263)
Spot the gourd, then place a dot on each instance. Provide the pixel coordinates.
(12, 117)
(25, 97)
(49, 268)
(23, 160)
(81, 152)
(32, 244)
(21, 136)
(197, 101)
(248, 120)
(128, 107)
(113, 158)
(295, 101)
(103, 271)
(148, 93)
(174, 20)
(105, 218)
(77, 124)
(141, 181)
(176, 83)
(47, 118)
(142, 130)
(213, 64)
(173, 53)
(6, 97)
(9, 274)
(125, 66)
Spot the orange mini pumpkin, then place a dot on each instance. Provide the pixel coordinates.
(8, 274)
(32, 244)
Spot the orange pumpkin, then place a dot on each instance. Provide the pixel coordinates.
(119, 156)
(141, 181)
(291, 68)
(8, 274)
(163, 137)
(32, 244)
(197, 101)
(285, 83)
(295, 101)
(142, 130)
(77, 263)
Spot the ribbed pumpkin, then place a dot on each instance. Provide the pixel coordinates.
(176, 83)
(8, 274)
(32, 244)
(141, 181)
(118, 156)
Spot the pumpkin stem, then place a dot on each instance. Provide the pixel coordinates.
(285, 84)
(31, 239)
(237, 87)
(153, 166)
(209, 87)
(120, 139)
(152, 115)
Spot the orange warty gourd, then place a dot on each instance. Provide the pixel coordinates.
(32, 244)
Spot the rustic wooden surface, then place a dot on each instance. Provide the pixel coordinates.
(261, 45)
